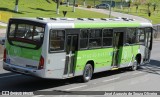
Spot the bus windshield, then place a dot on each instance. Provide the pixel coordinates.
(25, 35)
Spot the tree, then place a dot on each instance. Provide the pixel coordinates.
(58, 3)
(67, 3)
(74, 3)
(148, 4)
(136, 3)
(84, 3)
(94, 3)
(16, 6)
(121, 4)
(129, 5)
(155, 6)
(57, 8)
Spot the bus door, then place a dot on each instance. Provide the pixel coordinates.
(117, 44)
(71, 49)
(147, 43)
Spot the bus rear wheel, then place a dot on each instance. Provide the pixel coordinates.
(87, 73)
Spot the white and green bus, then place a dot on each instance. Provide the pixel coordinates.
(59, 48)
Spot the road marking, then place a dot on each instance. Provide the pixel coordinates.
(10, 76)
(111, 79)
(75, 87)
(137, 73)
(38, 96)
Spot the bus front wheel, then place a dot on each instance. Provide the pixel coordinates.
(87, 73)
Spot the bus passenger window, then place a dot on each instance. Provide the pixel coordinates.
(107, 37)
(131, 36)
(57, 39)
(141, 36)
(12, 30)
(95, 38)
(84, 39)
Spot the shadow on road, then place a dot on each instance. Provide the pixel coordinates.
(152, 67)
(28, 83)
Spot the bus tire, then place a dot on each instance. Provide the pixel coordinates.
(87, 73)
(134, 66)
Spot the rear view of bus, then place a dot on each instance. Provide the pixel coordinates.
(23, 47)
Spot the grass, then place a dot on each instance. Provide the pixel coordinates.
(41, 8)
(155, 16)
(1, 27)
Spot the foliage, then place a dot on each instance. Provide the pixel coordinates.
(143, 8)
(41, 8)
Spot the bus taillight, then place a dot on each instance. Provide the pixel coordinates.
(41, 63)
(5, 55)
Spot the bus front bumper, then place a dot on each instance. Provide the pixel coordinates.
(23, 70)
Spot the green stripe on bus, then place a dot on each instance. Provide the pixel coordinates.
(23, 52)
(103, 57)
(107, 24)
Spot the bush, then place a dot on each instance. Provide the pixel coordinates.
(76, 5)
(89, 6)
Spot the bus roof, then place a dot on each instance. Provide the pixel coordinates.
(89, 22)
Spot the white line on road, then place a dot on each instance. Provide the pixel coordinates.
(137, 73)
(75, 87)
(111, 79)
(10, 76)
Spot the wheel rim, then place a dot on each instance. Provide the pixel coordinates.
(135, 65)
(88, 73)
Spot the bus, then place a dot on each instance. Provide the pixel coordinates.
(59, 48)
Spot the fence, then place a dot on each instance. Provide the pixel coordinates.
(156, 32)
(4, 16)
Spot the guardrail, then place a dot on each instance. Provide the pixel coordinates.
(4, 16)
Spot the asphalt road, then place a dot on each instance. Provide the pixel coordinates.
(115, 14)
(147, 78)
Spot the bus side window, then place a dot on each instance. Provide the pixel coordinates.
(107, 37)
(141, 36)
(95, 38)
(57, 39)
(12, 30)
(84, 39)
(131, 37)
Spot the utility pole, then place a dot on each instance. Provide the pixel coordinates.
(57, 10)
(16, 6)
